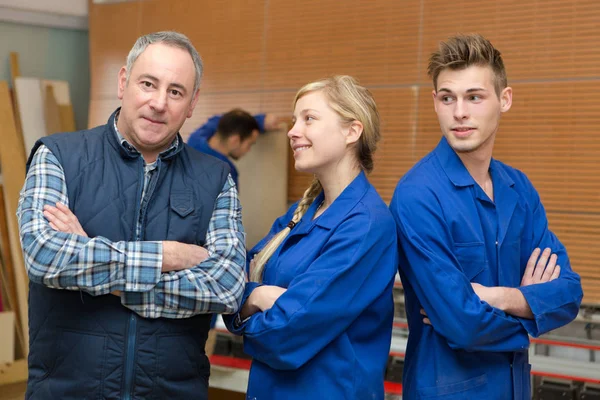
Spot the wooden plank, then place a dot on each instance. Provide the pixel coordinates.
(51, 110)
(8, 275)
(31, 111)
(62, 97)
(61, 90)
(15, 72)
(12, 155)
(67, 118)
(15, 69)
(45, 108)
(7, 337)
(13, 372)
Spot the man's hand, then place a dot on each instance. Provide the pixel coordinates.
(63, 220)
(492, 295)
(261, 299)
(426, 320)
(541, 270)
(178, 256)
(274, 122)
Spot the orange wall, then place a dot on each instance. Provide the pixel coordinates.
(257, 53)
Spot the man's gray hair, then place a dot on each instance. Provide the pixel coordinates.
(169, 38)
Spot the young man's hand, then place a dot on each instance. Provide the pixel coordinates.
(540, 268)
(275, 122)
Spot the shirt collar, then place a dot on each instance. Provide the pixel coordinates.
(452, 165)
(341, 206)
(456, 171)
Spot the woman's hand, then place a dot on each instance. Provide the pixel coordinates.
(261, 299)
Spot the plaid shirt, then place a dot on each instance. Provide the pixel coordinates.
(99, 266)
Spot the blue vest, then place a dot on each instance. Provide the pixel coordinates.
(84, 347)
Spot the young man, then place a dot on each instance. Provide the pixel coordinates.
(131, 240)
(480, 269)
(231, 135)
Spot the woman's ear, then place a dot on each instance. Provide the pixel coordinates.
(354, 131)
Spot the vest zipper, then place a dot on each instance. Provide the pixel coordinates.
(132, 329)
(132, 326)
(131, 333)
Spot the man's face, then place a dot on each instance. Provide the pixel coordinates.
(243, 146)
(469, 109)
(157, 99)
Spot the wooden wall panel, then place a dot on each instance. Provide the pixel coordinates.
(113, 29)
(551, 133)
(539, 39)
(375, 41)
(229, 38)
(397, 151)
(580, 233)
(258, 53)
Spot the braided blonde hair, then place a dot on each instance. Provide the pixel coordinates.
(352, 102)
(261, 258)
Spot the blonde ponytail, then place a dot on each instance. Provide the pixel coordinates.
(265, 254)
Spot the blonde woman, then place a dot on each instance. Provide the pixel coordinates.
(317, 314)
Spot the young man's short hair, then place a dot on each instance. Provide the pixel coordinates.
(462, 51)
(237, 122)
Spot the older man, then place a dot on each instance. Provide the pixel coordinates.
(131, 240)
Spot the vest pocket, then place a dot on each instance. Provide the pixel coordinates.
(182, 203)
(78, 371)
(183, 217)
(182, 367)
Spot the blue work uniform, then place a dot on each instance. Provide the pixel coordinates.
(328, 336)
(451, 234)
(200, 137)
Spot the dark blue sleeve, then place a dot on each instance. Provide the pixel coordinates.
(260, 119)
(234, 175)
(554, 303)
(428, 262)
(205, 132)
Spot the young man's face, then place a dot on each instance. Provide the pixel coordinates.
(469, 109)
(241, 147)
